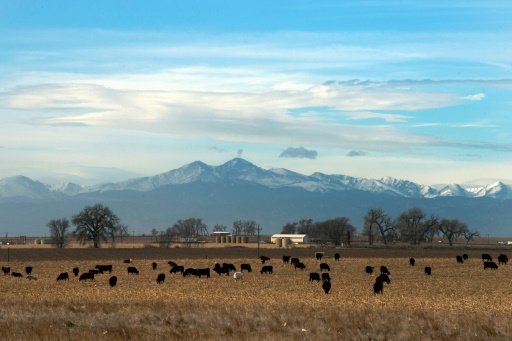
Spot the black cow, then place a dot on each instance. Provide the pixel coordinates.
(319, 255)
(324, 266)
(160, 278)
(28, 270)
(428, 270)
(63, 276)
(465, 256)
(177, 268)
(154, 265)
(378, 288)
(300, 265)
(112, 281)
(459, 259)
(294, 260)
(412, 261)
(263, 259)
(246, 267)
(221, 269)
(336, 256)
(486, 257)
(369, 269)
(104, 268)
(229, 266)
(326, 285)
(86, 276)
(127, 261)
(384, 270)
(6, 270)
(502, 259)
(132, 270)
(383, 278)
(76, 271)
(202, 272)
(188, 272)
(490, 265)
(94, 271)
(314, 276)
(171, 263)
(268, 269)
(326, 277)
(16, 274)
(286, 259)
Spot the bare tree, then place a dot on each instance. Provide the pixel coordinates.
(97, 223)
(470, 235)
(377, 222)
(238, 227)
(219, 228)
(410, 225)
(307, 226)
(431, 228)
(289, 228)
(59, 231)
(189, 230)
(336, 230)
(452, 228)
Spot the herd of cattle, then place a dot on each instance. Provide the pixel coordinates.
(228, 268)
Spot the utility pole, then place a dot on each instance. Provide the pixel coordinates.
(258, 229)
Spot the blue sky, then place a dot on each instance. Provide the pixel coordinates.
(102, 91)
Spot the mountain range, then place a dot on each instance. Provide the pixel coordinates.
(239, 189)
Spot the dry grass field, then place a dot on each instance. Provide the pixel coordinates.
(459, 301)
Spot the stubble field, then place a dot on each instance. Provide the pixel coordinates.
(459, 301)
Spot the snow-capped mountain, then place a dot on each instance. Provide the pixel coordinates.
(240, 170)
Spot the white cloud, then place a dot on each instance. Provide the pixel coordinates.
(365, 115)
(475, 97)
(299, 153)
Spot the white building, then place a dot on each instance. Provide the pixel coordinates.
(221, 233)
(294, 238)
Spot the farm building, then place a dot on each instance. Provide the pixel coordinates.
(294, 238)
(221, 233)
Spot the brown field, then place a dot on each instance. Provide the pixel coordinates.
(459, 301)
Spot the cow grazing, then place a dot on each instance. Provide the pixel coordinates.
(428, 270)
(127, 261)
(369, 269)
(220, 269)
(383, 278)
(176, 269)
(154, 265)
(229, 266)
(104, 268)
(95, 271)
(112, 281)
(6, 270)
(238, 276)
(378, 288)
(294, 260)
(490, 265)
(319, 255)
(300, 265)
(486, 257)
(326, 277)
(86, 276)
(286, 259)
(267, 269)
(132, 270)
(460, 260)
(465, 256)
(264, 259)
(326, 285)
(201, 272)
(324, 266)
(314, 276)
(160, 278)
(412, 261)
(16, 274)
(188, 272)
(384, 270)
(502, 259)
(63, 277)
(336, 256)
(76, 271)
(246, 267)
(28, 270)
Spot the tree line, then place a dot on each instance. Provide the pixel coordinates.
(98, 224)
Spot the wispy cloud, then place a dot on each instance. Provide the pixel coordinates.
(365, 115)
(355, 153)
(299, 153)
(475, 97)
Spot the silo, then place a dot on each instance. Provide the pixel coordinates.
(233, 239)
(285, 242)
(228, 239)
(238, 239)
(279, 242)
(217, 239)
(222, 239)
